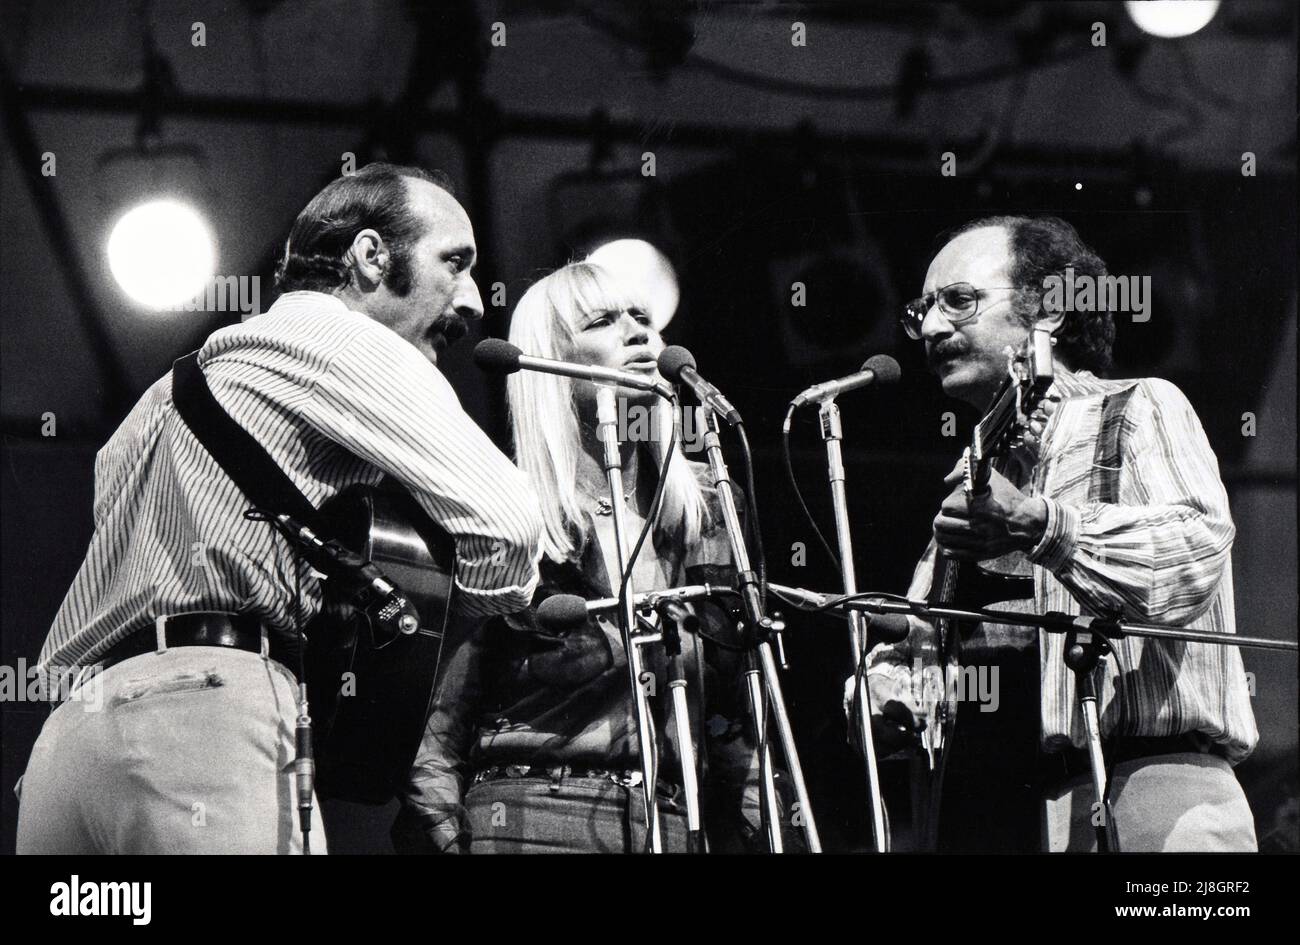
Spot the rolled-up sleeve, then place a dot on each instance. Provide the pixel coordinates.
(387, 404)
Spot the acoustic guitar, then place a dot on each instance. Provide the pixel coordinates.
(1029, 375)
(371, 688)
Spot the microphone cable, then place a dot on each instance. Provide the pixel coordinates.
(798, 493)
(304, 762)
(755, 533)
(626, 576)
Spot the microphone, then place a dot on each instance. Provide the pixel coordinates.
(670, 609)
(880, 368)
(579, 656)
(365, 586)
(678, 365)
(888, 628)
(494, 354)
(562, 613)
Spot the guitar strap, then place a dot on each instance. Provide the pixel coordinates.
(1108, 457)
(240, 456)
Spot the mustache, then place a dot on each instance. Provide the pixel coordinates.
(947, 348)
(451, 327)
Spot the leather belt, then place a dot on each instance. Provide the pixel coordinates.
(558, 773)
(1074, 762)
(234, 631)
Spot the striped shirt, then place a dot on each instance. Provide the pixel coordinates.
(1138, 524)
(336, 398)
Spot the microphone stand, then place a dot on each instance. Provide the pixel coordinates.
(758, 658)
(607, 431)
(832, 434)
(682, 721)
(1087, 639)
(1083, 650)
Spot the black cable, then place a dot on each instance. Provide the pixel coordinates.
(1119, 727)
(261, 515)
(860, 595)
(654, 510)
(627, 576)
(798, 493)
(304, 814)
(755, 533)
(760, 559)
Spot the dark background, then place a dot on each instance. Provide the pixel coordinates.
(773, 164)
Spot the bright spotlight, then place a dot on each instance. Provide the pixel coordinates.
(642, 264)
(1171, 19)
(162, 253)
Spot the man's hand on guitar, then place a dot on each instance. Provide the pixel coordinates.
(895, 716)
(994, 523)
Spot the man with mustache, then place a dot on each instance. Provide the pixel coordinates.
(191, 610)
(1113, 505)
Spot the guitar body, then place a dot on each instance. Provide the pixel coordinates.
(938, 651)
(370, 693)
(939, 655)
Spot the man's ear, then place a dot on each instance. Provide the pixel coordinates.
(368, 258)
(1051, 311)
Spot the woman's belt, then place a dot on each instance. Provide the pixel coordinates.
(557, 774)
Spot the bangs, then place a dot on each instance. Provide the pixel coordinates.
(583, 288)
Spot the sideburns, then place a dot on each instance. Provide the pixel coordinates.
(397, 274)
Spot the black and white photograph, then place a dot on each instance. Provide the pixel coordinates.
(650, 427)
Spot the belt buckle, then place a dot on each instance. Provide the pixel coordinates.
(626, 779)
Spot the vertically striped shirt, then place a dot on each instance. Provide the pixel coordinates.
(1138, 524)
(336, 398)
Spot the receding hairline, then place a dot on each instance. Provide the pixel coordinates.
(440, 205)
(1009, 245)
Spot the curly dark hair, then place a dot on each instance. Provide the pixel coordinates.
(1045, 246)
(372, 198)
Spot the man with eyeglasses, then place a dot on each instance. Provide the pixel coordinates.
(1113, 505)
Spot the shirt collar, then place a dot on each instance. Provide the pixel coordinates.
(307, 298)
(1067, 383)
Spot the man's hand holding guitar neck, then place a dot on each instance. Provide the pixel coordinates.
(990, 524)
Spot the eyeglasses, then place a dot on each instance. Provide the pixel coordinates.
(959, 302)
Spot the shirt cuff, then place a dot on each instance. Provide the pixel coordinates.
(1060, 537)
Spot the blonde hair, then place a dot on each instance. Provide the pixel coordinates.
(544, 415)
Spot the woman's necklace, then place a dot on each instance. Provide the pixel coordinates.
(606, 507)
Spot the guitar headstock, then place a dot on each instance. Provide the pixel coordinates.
(1034, 373)
(1029, 376)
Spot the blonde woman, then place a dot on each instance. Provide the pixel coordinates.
(532, 743)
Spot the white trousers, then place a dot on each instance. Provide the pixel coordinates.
(1180, 803)
(184, 751)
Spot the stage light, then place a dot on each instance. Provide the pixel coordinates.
(643, 265)
(162, 253)
(1170, 19)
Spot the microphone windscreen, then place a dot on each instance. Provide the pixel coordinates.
(496, 354)
(562, 613)
(886, 369)
(672, 360)
(889, 628)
